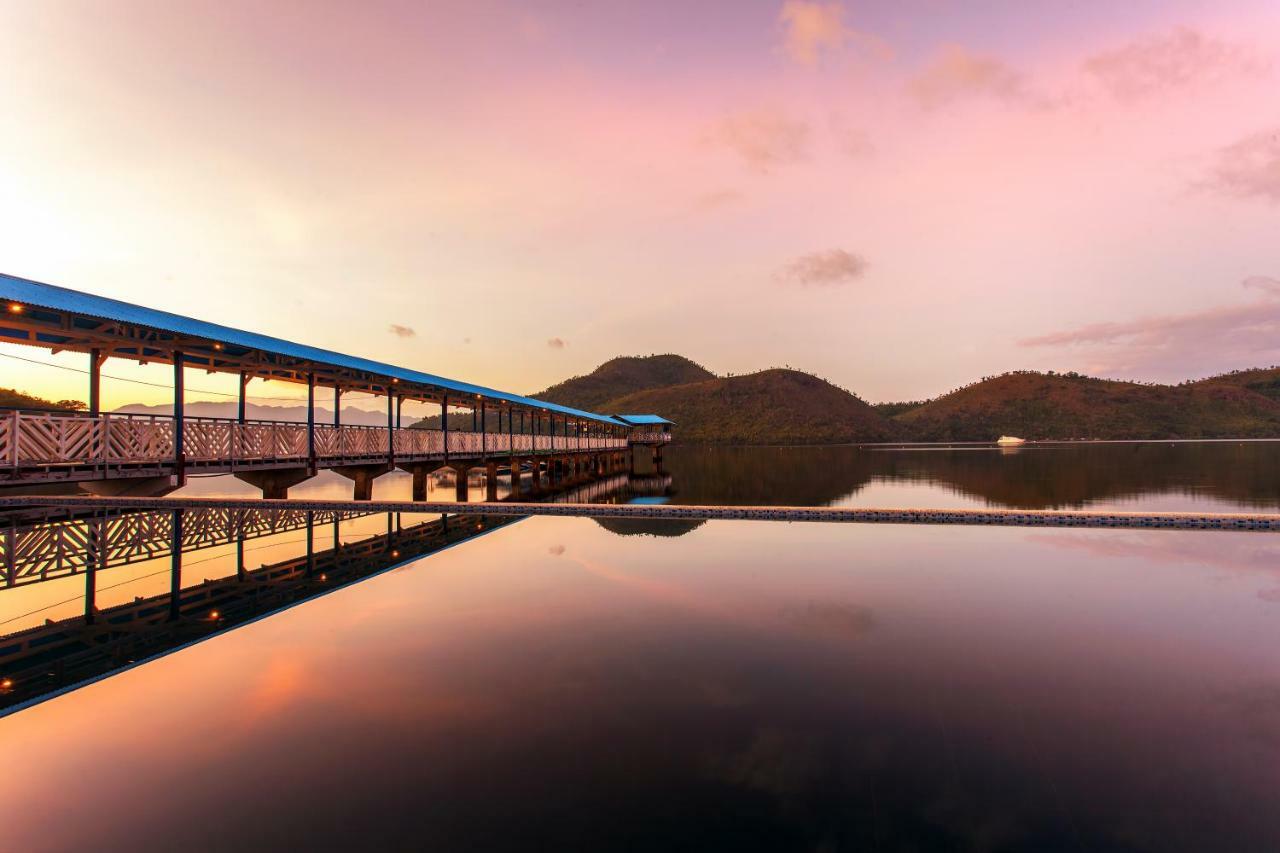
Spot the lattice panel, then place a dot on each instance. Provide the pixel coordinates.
(208, 441)
(137, 440)
(55, 549)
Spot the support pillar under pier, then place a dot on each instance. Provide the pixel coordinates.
(491, 481)
(276, 482)
(420, 472)
(460, 482)
(515, 477)
(363, 477)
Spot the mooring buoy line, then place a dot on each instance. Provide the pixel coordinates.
(856, 515)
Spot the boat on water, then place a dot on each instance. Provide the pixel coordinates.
(1010, 441)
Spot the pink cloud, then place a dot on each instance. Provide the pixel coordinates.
(1172, 60)
(812, 28)
(764, 139)
(831, 268)
(1195, 342)
(958, 73)
(1249, 169)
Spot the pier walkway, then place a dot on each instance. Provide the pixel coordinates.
(114, 453)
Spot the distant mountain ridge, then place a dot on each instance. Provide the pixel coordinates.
(1036, 405)
(791, 407)
(784, 406)
(258, 412)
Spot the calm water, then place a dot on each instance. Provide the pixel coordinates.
(415, 682)
(1219, 476)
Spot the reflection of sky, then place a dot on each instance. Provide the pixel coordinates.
(956, 674)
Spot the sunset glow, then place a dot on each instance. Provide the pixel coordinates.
(970, 189)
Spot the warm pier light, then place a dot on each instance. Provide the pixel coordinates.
(217, 346)
(6, 684)
(213, 614)
(395, 553)
(16, 308)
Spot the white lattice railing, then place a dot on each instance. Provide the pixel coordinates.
(650, 437)
(30, 439)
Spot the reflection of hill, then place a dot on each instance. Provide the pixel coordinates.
(741, 476)
(1037, 478)
(650, 526)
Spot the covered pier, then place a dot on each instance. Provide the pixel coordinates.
(113, 453)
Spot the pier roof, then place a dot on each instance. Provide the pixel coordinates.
(227, 341)
(643, 420)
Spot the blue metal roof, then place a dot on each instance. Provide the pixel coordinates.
(34, 293)
(642, 420)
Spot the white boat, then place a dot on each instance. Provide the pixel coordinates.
(1010, 441)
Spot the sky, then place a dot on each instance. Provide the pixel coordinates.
(899, 196)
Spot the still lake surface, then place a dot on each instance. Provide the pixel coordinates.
(566, 683)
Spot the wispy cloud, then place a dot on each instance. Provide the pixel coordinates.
(557, 343)
(811, 28)
(832, 268)
(401, 331)
(1191, 343)
(1166, 61)
(958, 73)
(718, 198)
(1248, 169)
(764, 139)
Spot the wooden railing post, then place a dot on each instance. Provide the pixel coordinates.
(391, 431)
(311, 422)
(179, 424)
(444, 423)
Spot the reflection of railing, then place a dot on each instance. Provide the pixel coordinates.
(42, 659)
(47, 550)
(35, 439)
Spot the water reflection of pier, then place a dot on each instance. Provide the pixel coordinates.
(53, 546)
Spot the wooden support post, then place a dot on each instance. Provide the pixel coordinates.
(179, 406)
(337, 405)
(241, 572)
(399, 407)
(311, 421)
(91, 552)
(95, 382)
(311, 542)
(444, 424)
(175, 566)
(391, 431)
(244, 384)
(491, 481)
(484, 432)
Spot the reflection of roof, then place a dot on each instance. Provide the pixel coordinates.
(238, 341)
(642, 420)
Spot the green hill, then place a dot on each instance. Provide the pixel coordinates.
(1066, 406)
(770, 407)
(12, 399)
(621, 376)
(1261, 380)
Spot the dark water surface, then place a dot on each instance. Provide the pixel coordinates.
(405, 682)
(1164, 476)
